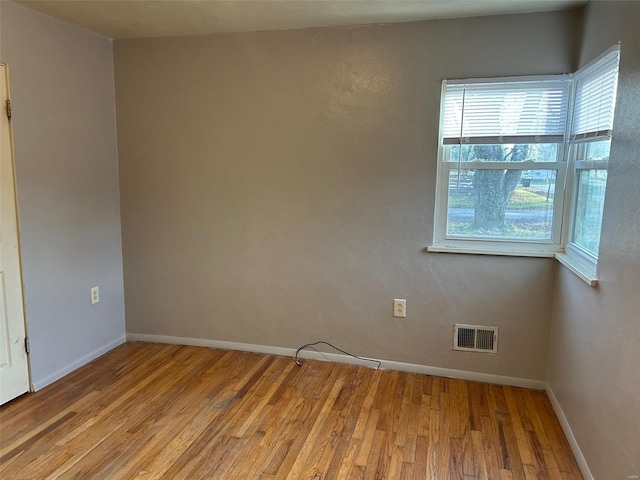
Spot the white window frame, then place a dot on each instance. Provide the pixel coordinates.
(581, 262)
(571, 159)
(496, 246)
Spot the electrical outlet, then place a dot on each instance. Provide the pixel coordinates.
(95, 295)
(399, 307)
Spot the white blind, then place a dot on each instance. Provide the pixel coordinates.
(513, 111)
(595, 100)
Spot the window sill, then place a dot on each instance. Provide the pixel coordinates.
(583, 270)
(480, 251)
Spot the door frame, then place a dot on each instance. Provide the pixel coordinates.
(11, 151)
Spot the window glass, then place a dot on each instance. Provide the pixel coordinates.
(501, 204)
(597, 150)
(532, 152)
(589, 205)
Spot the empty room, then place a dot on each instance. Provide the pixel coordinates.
(320, 239)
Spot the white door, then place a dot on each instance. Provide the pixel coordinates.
(14, 370)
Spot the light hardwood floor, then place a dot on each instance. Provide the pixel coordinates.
(164, 411)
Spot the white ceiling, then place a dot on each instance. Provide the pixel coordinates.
(158, 18)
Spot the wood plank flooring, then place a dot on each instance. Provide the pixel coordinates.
(163, 411)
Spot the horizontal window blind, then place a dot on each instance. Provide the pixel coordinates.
(526, 111)
(595, 98)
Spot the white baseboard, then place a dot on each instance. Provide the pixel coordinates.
(339, 358)
(49, 379)
(566, 428)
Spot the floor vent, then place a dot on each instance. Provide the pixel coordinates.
(473, 338)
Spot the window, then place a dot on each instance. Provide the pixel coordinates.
(506, 148)
(589, 145)
(501, 162)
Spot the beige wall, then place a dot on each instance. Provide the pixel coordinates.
(63, 122)
(595, 354)
(278, 188)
